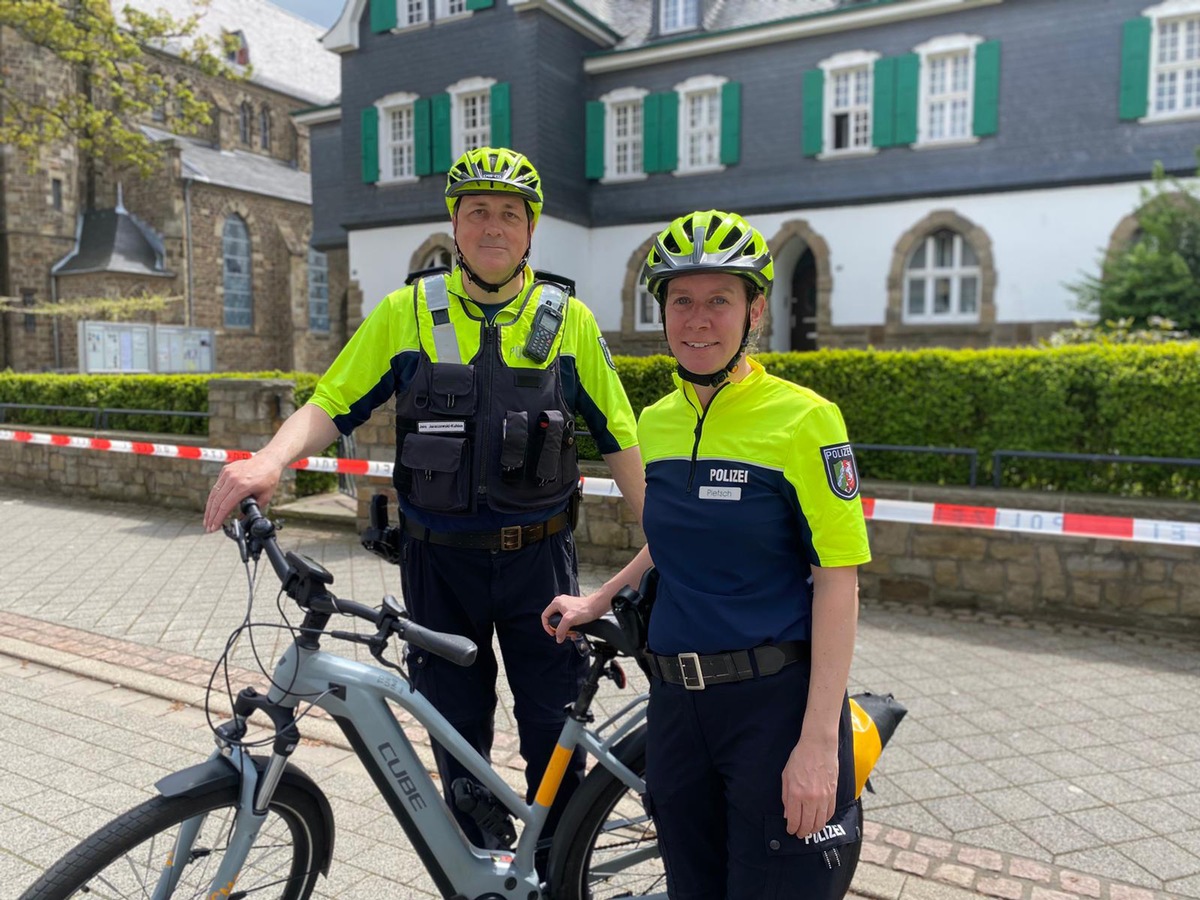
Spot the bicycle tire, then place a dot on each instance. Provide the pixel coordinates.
(610, 847)
(123, 859)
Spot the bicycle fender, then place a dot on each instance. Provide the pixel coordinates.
(219, 774)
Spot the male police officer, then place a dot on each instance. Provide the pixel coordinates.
(488, 368)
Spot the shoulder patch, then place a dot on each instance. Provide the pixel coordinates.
(607, 356)
(841, 470)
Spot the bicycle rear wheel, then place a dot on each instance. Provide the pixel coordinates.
(611, 847)
(125, 858)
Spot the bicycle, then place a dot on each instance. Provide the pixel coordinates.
(241, 825)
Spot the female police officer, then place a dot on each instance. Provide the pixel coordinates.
(753, 519)
(488, 367)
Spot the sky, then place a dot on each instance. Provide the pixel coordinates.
(323, 12)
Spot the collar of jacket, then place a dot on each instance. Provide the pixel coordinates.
(506, 316)
(755, 374)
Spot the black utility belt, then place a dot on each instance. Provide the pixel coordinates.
(511, 537)
(696, 672)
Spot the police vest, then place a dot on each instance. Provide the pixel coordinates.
(482, 432)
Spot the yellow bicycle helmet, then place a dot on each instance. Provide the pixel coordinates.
(707, 242)
(487, 169)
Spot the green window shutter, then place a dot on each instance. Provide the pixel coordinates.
(908, 97)
(652, 133)
(370, 145)
(383, 15)
(731, 123)
(422, 150)
(1135, 68)
(501, 116)
(439, 117)
(813, 112)
(883, 104)
(987, 89)
(594, 117)
(668, 121)
(479, 4)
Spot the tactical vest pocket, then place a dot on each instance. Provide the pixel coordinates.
(449, 390)
(440, 472)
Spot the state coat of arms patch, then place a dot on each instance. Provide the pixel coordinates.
(841, 470)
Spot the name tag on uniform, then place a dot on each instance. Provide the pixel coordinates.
(442, 427)
(711, 492)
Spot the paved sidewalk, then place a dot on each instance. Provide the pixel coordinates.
(1038, 762)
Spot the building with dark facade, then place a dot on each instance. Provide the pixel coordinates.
(928, 172)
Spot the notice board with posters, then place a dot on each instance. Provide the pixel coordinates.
(139, 347)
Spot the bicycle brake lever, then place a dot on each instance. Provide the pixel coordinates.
(237, 533)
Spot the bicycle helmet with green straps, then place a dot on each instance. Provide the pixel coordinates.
(709, 242)
(487, 169)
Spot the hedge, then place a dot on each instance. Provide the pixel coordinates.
(1104, 399)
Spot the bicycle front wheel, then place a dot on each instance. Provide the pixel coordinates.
(611, 844)
(125, 858)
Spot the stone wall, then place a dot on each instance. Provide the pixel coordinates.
(1118, 583)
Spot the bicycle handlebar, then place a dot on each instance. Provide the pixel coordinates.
(456, 648)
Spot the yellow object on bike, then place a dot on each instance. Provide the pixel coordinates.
(873, 718)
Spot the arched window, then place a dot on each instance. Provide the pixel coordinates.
(941, 280)
(318, 291)
(247, 116)
(438, 256)
(264, 127)
(239, 295)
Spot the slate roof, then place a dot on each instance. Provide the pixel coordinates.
(238, 169)
(285, 50)
(114, 240)
(632, 19)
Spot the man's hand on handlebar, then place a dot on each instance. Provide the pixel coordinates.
(256, 477)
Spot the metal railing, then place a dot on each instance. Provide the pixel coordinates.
(998, 457)
(100, 414)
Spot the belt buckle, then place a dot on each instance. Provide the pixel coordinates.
(511, 537)
(692, 683)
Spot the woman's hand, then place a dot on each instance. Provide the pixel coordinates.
(574, 611)
(810, 786)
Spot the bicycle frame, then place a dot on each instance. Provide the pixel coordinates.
(356, 695)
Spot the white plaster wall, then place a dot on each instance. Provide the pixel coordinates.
(1041, 242)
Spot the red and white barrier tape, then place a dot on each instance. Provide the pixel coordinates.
(1029, 521)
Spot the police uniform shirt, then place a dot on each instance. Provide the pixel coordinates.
(742, 499)
(381, 359)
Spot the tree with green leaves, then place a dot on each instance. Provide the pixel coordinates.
(1158, 274)
(116, 83)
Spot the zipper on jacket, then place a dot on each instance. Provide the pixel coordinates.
(700, 428)
(483, 415)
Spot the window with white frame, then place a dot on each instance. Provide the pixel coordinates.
(941, 280)
(678, 15)
(438, 256)
(1175, 64)
(397, 149)
(412, 12)
(649, 313)
(318, 291)
(239, 293)
(849, 81)
(449, 8)
(470, 114)
(623, 134)
(947, 88)
(700, 123)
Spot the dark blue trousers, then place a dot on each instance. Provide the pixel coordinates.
(476, 593)
(714, 767)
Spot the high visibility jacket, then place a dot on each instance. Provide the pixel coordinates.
(460, 463)
(742, 500)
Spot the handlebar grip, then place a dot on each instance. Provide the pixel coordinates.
(454, 647)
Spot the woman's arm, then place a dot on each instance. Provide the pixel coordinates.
(810, 777)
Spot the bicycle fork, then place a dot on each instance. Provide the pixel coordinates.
(254, 798)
